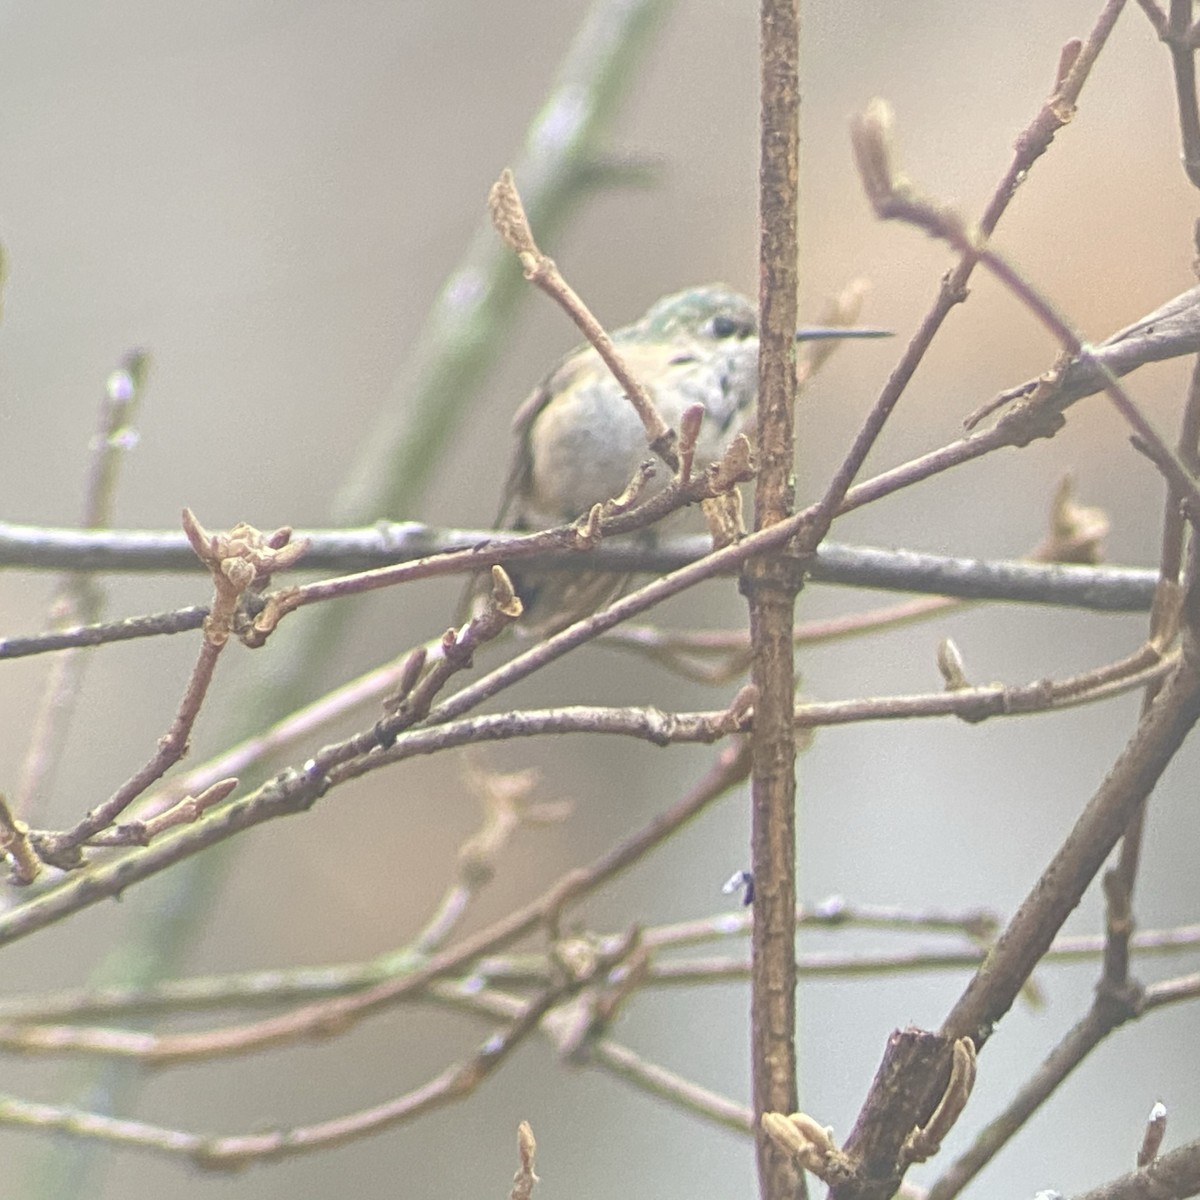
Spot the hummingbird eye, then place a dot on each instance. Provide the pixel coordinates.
(724, 326)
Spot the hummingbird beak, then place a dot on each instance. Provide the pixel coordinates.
(818, 333)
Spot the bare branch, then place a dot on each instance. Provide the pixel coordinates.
(770, 583)
(895, 198)
(1106, 589)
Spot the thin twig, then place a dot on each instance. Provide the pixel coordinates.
(303, 723)
(508, 215)
(62, 849)
(894, 198)
(1171, 330)
(1178, 32)
(79, 599)
(38, 1022)
(718, 656)
(237, 561)
(1030, 145)
(606, 1054)
(1155, 15)
(657, 1081)
(831, 965)
(241, 1149)
(506, 808)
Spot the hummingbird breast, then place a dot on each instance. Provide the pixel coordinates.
(587, 442)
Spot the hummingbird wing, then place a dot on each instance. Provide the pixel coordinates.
(515, 486)
(518, 483)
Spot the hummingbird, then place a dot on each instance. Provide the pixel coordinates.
(580, 442)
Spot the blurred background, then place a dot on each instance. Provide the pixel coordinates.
(270, 196)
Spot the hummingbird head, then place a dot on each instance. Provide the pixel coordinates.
(717, 314)
(714, 311)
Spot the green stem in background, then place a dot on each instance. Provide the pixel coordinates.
(478, 304)
(427, 404)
